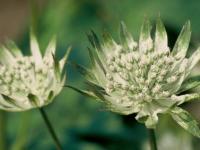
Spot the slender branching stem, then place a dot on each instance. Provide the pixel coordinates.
(152, 139)
(50, 128)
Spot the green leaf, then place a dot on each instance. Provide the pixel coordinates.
(185, 120)
(189, 84)
(182, 42)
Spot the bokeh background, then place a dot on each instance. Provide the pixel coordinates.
(82, 123)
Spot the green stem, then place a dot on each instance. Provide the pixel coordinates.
(50, 128)
(152, 139)
(3, 130)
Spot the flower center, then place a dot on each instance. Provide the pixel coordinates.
(140, 75)
(25, 77)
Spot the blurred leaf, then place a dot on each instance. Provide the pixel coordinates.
(185, 120)
(190, 83)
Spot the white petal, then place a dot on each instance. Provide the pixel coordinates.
(6, 57)
(145, 41)
(161, 43)
(14, 49)
(35, 50)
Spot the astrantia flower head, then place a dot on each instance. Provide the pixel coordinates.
(143, 77)
(29, 81)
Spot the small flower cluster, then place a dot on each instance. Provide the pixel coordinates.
(29, 81)
(143, 78)
(145, 68)
(19, 77)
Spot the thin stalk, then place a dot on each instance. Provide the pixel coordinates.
(3, 121)
(152, 139)
(50, 128)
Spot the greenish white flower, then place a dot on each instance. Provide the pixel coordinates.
(143, 77)
(29, 81)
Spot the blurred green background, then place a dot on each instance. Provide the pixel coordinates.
(82, 123)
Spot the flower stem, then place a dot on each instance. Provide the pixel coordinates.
(50, 128)
(152, 139)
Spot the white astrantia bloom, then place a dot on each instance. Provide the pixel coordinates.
(29, 81)
(143, 77)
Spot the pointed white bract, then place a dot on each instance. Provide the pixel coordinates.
(142, 78)
(32, 81)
